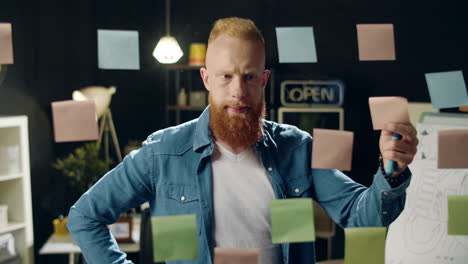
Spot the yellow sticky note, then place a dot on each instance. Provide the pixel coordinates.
(287, 229)
(365, 245)
(458, 215)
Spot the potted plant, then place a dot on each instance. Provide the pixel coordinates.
(83, 167)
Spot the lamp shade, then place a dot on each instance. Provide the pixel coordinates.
(167, 50)
(101, 96)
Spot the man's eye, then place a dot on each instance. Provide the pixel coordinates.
(227, 76)
(249, 77)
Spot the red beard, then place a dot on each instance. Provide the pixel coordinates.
(238, 130)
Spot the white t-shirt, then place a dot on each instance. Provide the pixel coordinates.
(242, 192)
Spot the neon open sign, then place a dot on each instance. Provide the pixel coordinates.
(307, 93)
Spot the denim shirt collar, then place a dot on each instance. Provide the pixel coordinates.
(202, 135)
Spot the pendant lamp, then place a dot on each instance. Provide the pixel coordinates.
(167, 50)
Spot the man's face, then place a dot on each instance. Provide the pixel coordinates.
(235, 77)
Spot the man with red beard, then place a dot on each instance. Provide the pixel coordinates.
(226, 166)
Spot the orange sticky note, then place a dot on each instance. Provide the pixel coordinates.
(236, 255)
(376, 42)
(332, 149)
(74, 121)
(6, 44)
(453, 149)
(388, 109)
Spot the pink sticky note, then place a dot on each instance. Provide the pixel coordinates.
(388, 109)
(376, 42)
(236, 255)
(453, 149)
(332, 149)
(74, 121)
(6, 44)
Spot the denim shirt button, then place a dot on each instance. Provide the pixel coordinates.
(182, 198)
(385, 212)
(296, 190)
(270, 168)
(385, 193)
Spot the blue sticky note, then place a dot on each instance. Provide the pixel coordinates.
(296, 44)
(118, 50)
(447, 89)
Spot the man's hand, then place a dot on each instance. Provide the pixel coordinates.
(401, 151)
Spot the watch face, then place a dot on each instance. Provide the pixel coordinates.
(3, 69)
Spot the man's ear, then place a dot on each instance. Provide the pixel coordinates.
(266, 75)
(204, 76)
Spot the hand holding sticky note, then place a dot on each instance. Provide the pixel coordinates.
(292, 220)
(365, 245)
(174, 237)
(389, 109)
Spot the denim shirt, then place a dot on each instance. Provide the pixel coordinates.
(176, 162)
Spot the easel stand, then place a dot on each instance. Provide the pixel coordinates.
(107, 126)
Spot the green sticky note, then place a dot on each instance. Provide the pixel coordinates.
(174, 237)
(458, 215)
(292, 220)
(365, 245)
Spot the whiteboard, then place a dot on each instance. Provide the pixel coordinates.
(419, 235)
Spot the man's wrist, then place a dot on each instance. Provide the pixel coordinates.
(396, 180)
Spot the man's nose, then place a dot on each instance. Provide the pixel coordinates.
(239, 88)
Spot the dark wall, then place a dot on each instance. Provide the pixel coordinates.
(55, 53)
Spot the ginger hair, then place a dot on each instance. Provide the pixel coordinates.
(236, 27)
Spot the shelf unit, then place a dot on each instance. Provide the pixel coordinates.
(15, 184)
(182, 76)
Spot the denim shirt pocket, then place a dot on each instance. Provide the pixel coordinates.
(185, 194)
(179, 199)
(298, 188)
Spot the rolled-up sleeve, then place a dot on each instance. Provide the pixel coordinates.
(353, 205)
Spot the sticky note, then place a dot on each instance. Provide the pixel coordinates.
(296, 44)
(447, 89)
(452, 149)
(6, 44)
(74, 121)
(236, 255)
(332, 149)
(376, 42)
(174, 237)
(118, 50)
(292, 220)
(365, 245)
(388, 109)
(457, 215)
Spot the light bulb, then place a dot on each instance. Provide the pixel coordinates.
(167, 50)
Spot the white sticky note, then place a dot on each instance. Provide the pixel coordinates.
(118, 50)
(296, 44)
